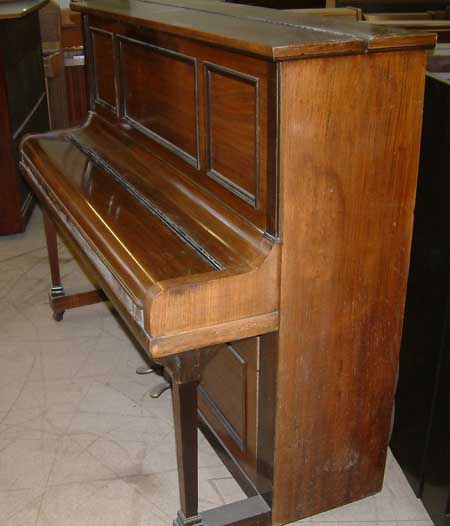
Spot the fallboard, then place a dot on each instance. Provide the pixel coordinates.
(205, 110)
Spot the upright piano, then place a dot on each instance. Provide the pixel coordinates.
(243, 192)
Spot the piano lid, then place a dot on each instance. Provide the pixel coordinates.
(277, 35)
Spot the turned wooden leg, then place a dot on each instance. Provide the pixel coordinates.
(184, 371)
(57, 290)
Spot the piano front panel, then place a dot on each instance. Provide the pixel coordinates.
(232, 113)
(103, 61)
(230, 407)
(160, 95)
(204, 109)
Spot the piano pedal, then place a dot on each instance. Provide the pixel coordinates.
(160, 389)
(144, 369)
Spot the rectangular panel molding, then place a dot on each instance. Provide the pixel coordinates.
(232, 130)
(105, 92)
(166, 108)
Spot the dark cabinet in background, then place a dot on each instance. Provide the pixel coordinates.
(421, 437)
(23, 105)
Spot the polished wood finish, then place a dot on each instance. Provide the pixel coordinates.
(243, 181)
(168, 115)
(252, 30)
(23, 107)
(75, 76)
(340, 354)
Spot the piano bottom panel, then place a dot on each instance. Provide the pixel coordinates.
(236, 401)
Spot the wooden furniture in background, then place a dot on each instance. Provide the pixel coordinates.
(74, 64)
(64, 66)
(23, 105)
(350, 14)
(243, 183)
(283, 4)
(391, 6)
(421, 437)
(436, 21)
(71, 33)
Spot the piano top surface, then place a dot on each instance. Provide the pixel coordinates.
(275, 34)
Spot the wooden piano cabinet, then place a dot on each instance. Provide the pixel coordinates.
(243, 190)
(23, 106)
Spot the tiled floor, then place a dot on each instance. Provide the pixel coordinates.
(81, 442)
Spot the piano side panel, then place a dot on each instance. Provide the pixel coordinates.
(349, 177)
(204, 110)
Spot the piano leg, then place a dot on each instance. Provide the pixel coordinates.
(57, 290)
(185, 373)
(59, 302)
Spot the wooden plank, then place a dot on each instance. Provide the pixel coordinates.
(346, 229)
(213, 334)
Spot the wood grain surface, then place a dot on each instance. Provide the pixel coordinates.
(346, 230)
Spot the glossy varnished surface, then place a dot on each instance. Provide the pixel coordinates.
(149, 258)
(255, 30)
(205, 111)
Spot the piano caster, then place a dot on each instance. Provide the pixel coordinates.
(58, 316)
(144, 369)
(160, 389)
(181, 520)
(57, 291)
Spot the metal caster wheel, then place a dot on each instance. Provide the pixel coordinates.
(58, 316)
